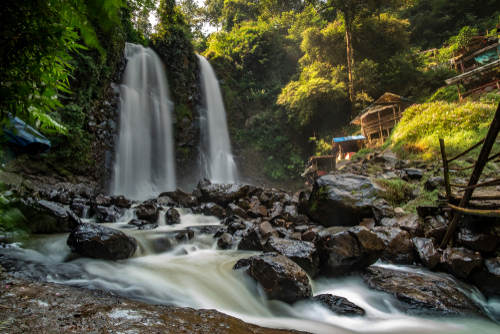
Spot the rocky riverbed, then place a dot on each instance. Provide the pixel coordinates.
(257, 253)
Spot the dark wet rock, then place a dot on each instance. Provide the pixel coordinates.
(342, 250)
(148, 211)
(202, 183)
(435, 227)
(107, 214)
(172, 217)
(460, 261)
(280, 277)
(400, 164)
(100, 242)
(411, 174)
(185, 199)
(250, 241)
(433, 183)
(338, 305)
(477, 237)
(311, 234)
(243, 203)
(368, 223)
(257, 211)
(184, 235)
(382, 209)
(79, 206)
(222, 193)
(424, 211)
(121, 202)
(301, 252)
(143, 224)
(233, 209)
(285, 233)
(100, 200)
(342, 199)
(264, 199)
(398, 245)
(236, 226)
(427, 251)
(277, 211)
(411, 224)
(303, 206)
(220, 232)
(421, 290)
(266, 229)
(226, 241)
(487, 279)
(212, 209)
(73, 220)
(165, 201)
(210, 229)
(290, 213)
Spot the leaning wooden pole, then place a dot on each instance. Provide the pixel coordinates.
(476, 172)
(446, 170)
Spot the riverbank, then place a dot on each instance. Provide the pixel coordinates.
(41, 307)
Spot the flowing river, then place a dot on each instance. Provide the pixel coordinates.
(196, 274)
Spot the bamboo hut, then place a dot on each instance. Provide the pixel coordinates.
(381, 116)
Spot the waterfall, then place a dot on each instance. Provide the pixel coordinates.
(144, 164)
(214, 128)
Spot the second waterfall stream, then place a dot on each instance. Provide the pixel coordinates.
(222, 167)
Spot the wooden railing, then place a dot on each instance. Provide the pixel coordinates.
(478, 167)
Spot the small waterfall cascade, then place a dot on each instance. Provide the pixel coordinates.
(213, 128)
(144, 164)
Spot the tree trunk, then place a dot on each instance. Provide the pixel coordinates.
(349, 60)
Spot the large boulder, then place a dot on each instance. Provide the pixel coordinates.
(222, 193)
(411, 224)
(301, 252)
(212, 209)
(433, 183)
(280, 277)
(107, 214)
(411, 174)
(186, 200)
(79, 206)
(100, 242)
(435, 227)
(382, 209)
(143, 224)
(342, 200)
(121, 202)
(342, 250)
(427, 251)
(488, 278)
(420, 290)
(226, 241)
(100, 200)
(478, 236)
(46, 217)
(250, 241)
(460, 261)
(339, 305)
(277, 211)
(148, 211)
(398, 245)
(172, 217)
(233, 209)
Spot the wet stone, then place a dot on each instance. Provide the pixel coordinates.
(339, 305)
(460, 261)
(301, 252)
(427, 251)
(172, 217)
(226, 241)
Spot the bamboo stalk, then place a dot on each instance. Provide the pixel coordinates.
(467, 150)
(482, 185)
(483, 213)
(446, 171)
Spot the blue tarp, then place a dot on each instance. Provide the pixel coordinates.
(22, 138)
(342, 139)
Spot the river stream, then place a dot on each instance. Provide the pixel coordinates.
(196, 274)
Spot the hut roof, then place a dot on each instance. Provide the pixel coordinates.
(388, 100)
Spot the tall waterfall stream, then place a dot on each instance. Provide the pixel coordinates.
(144, 164)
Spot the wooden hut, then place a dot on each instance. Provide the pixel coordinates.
(345, 147)
(381, 116)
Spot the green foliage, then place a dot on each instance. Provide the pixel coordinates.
(362, 153)
(283, 159)
(448, 94)
(322, 147)
(425, 198)
(460, 124)
(396, 191)
(11, 220)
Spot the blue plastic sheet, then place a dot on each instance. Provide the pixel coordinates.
(342, 139)
(22, 138)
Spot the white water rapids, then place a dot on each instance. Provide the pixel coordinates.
(144, 164)
(214, 128)
(196, 274)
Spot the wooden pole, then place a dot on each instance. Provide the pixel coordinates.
(380, 126)
(446, 170)
(459, 93)
(476, 173)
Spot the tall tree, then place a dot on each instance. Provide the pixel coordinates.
(350, 10)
